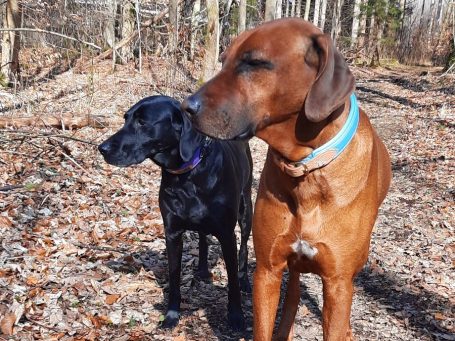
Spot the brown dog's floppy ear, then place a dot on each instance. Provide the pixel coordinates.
(334, 81)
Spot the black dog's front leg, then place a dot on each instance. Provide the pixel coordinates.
(174, 245)
(235, 313)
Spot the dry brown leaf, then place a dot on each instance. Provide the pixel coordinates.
(5, 221)
(179, 338)
(7, 324)
(111, 299)
(439, 316)
(32, 280)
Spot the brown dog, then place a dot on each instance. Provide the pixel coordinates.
(286, 83)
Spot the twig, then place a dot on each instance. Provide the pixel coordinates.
(10, 187)
(101, 248)
(43, 325)
(75, 162)
(51, 33)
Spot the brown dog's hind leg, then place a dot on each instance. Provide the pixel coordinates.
(291, 304)
(336, 310)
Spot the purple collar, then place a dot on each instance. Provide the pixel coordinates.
(189, 165)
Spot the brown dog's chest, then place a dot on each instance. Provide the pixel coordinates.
(321, 232)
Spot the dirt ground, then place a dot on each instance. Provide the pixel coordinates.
(82, 252)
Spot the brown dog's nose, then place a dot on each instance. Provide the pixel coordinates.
(192, 105)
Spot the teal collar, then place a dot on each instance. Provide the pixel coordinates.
(329, 151)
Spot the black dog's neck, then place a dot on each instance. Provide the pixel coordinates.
(171, 158)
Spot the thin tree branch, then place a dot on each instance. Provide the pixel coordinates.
(51, 33)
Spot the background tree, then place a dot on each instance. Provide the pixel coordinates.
(212, 38)
(11, 19)
(270, 10)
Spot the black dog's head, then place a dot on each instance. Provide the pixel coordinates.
(155, 128)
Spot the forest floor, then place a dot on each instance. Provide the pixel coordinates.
(82, 252)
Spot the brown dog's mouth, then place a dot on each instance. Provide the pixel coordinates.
(246, 134)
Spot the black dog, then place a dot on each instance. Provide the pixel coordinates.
(205, 187)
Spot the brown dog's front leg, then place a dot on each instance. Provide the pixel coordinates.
(266, 295)
(337, 308)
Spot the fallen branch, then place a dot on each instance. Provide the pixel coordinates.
(68, 121)
(39, 135)
(38, 30)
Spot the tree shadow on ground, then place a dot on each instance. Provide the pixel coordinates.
(207, 296)
(415, 307)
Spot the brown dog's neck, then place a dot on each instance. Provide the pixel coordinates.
(303, 136)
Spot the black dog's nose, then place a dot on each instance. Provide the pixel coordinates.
(192, 105)
(104, 148)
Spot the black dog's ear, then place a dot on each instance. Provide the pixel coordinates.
(333, 84)
(188, 139)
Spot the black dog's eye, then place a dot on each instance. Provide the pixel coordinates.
(141, 122)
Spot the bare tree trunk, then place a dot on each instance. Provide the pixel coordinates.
(270, 10)
(362, 27)
(336, 20)
(128, 27)
(212, 38)
(279, 6)
(242, 16)
(298, 9)
(286, 11)
(173, 29)
(355, 22)
(323, 12)
(194, 22)
(307, 9)
(10, 42)
(293, 9)
(109, 30)
(317, 5)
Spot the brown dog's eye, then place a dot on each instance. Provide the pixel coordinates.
(250, 64)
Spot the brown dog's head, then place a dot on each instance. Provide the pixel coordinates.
(270, 73)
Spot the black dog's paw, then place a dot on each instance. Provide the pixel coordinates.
(245, 285)
(203, 275)
(236, 321)
(170, 320)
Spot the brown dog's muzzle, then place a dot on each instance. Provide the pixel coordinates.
(215, 111)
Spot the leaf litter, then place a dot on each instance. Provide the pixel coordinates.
(82, 251)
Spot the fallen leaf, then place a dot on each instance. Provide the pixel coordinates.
(32, 280)
(5, 221)
(111, 299)
(7, 324)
